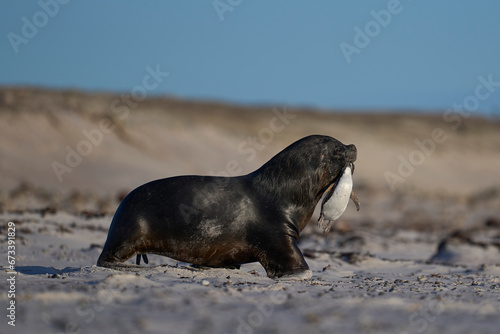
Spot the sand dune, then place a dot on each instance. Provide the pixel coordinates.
(422, 255)
(164, 137)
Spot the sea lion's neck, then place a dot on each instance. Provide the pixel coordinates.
(298, 190)
(297, 186)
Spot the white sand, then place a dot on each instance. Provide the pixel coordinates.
(58, 289)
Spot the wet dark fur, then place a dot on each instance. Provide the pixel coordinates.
(228, 221)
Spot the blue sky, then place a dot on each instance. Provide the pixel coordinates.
(427, 55)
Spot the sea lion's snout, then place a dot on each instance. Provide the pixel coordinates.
(351, 153)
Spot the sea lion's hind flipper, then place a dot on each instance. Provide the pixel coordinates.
(355, 200)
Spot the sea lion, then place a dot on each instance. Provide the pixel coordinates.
(336, 199)
(228, 221)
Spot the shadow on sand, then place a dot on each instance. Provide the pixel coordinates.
(39, 270)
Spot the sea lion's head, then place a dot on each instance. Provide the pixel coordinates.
(298, 176)
(306, 169)
(339, 168)
(335, 158)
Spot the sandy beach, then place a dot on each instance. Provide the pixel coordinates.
(421, 256)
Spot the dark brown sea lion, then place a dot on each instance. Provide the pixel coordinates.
(227, 221)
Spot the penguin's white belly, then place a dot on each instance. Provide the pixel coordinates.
(337, 204)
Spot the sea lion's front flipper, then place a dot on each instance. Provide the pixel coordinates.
(298, 276)
(355, 200)
(282, 259)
